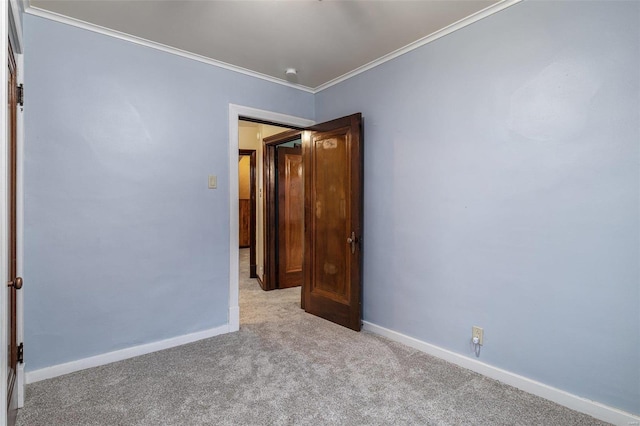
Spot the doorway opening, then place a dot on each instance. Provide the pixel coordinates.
(284, 210)
(255, 116)
(253, 227)
(331, 228)
(247, 203)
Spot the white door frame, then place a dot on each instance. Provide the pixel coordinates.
(12, 28)
(235, 112)
(20, 379)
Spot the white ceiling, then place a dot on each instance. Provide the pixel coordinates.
(322, 40)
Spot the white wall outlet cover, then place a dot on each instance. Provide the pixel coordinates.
(213, 182)
(477, 332)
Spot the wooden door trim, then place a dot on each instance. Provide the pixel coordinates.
(284, 137)
(251, 153)
(270, 123)
(270, 278)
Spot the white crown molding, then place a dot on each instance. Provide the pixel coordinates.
(574, 402)
(488, 11)
(109, 357)
(32, 10)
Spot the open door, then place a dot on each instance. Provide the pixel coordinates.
(14, 283)
(333, 170)
(290, 216)
(272, 217)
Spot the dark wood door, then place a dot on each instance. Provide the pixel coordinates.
(244, 223)
(14, 282)
(290, 217)
(332, 156)
(271, 261)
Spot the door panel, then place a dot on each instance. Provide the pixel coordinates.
(330, 258)
(13, 282)
(333, 215)
(244, 222)
(290, 217)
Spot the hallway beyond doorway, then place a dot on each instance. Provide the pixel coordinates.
(258, 306)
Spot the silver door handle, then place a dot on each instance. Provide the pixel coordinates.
(17, 283)
(353, 241)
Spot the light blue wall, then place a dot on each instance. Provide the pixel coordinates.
(502, 190)
(124, 243)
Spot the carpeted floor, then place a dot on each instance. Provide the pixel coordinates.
(285, 367)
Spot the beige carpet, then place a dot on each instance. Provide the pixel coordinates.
(285, 367)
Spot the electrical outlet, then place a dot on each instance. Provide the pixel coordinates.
(477, 332)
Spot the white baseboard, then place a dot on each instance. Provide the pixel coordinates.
(234, 318)
(119, 355)
(21, 385)
(574, 402)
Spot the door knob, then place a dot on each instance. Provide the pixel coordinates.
(17, 283)
(353, 241)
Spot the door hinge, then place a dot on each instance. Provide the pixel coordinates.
(21, 353)
(20, 95)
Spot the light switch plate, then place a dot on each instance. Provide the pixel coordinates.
(213, 182)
